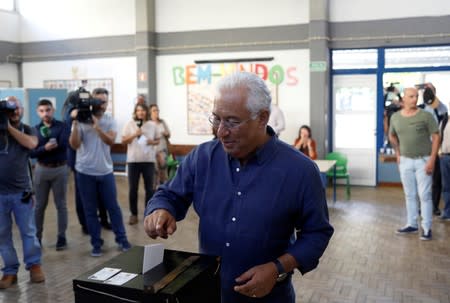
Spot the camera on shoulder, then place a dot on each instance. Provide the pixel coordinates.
(87, 106)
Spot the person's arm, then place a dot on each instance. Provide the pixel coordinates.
(27, 141)
(435, 141)
(107, 137)
(75, 137)
(128, 136)
(394, 142)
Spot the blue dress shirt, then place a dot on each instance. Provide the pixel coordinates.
(248, 213)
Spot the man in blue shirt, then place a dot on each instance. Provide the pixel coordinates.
(251, 191)
(51, 170)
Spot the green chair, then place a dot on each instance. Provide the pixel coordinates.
(172, 165)
(341, 168)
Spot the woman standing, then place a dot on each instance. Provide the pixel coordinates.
(162, 151)
(141, 135)
(305, 143)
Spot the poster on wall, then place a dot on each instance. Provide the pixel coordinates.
(88, 84)
(200, 98)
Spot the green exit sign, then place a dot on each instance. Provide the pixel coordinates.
(318, 66)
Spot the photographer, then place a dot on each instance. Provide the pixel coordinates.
(435, 107)
(92, 139)
(16, 197)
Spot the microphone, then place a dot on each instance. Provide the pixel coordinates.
(139, 124)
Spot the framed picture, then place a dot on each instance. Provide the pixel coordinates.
(88, 84)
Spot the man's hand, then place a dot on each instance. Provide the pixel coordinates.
(429, 166)
(258, 281)
(50, 145)
(160, 223)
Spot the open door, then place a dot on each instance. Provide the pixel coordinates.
(354, 125)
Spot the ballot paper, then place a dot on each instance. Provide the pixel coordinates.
(104, 274)
(153, 256)
(121, 278)
(143, 142)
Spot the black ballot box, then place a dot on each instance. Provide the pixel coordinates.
(182, 277)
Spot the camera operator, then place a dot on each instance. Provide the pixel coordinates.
(94, 167)
(16, 198)
(435, 107)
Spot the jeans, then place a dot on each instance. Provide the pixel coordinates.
(445, 171)
(24, 218)
(416, 182)
(103, 187)
(147, 169)
(46, 178)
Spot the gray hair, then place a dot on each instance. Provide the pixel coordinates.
(258, 95)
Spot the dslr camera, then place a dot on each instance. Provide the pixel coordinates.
(6, 107)
(86, 105)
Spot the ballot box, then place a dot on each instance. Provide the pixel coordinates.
(182, 277)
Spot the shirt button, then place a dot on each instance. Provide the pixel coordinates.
(237, 169)
(233, 219)
(227, 244)
(238, 193)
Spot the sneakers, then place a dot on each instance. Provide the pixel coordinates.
(7, 281)
(61, 244)
(133, 220)
(444, 218)
(407, 230)
(426, 236)
(36, 274)
(96, 252)
(125, 246)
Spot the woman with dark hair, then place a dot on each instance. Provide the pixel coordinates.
(141, 136)
(305, 143)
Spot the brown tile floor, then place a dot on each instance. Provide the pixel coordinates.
(365, 262)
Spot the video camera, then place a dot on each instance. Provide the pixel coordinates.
(86, 105)
(6, 107)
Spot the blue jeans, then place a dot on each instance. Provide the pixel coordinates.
(416, 182)
(100, 187)
(445, 173)
(24, 218)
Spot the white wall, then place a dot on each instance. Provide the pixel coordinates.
(122, 70)
(9, 72)
(46, 20)
(9, 24)
(357, 10)
(183, 15)
(293, 99)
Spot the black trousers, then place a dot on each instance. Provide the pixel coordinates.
(436, 187)
(135, 169)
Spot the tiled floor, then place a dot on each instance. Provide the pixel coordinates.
(365, 262)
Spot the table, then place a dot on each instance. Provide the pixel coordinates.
(324, 167)
(198, 283)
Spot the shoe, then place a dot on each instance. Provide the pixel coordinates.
(133, 220)
(96, 252)
(407, 230)
(444, 218)
(84, 230)
(61, 244)
(426, 236)
(36, 274)
(106, 225)
(7, 281)
(437, 212)
(125, 246)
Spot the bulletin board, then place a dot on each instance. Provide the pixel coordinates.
(200, 102)
(88, 84)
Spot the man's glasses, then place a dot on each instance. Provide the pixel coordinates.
(227, 123)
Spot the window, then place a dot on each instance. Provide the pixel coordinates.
(417, 57)
(354, 59)
(7, 5)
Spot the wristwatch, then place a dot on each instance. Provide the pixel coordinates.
(281, 273)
